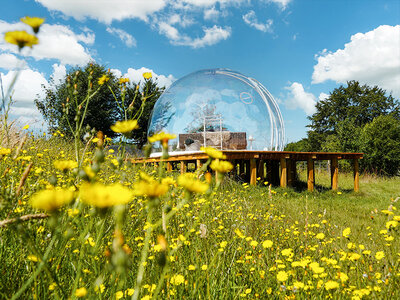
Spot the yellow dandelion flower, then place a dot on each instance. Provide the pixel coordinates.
(191, 268)
(64, 165)
(124, 126)
(123, 80)
(223, 244)
(103, 196)
(320, 236)
(34, 22)
(51, 200)
(343, 277)
(33, 258)
(346, 232)
(162, 137)
(221, 166)
(177, 279)
(395, 218)
(4, 151)
(103, 79)
(119, 295)
(150, 189)
(331, 285)
(21, 39)
(25, 127)
(253, 243)
(81, 292)
(391, 224)
(147, 75)
(282, 276)
(379, 255)
(168, 181)
(130, 292)
(204, 267)
(191, 184)
(267, 244)
(213, 153)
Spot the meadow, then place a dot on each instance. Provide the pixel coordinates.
(215, 238)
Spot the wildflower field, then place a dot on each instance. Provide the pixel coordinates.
(79, 220)
(127, 229)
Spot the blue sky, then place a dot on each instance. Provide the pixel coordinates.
(300, 50)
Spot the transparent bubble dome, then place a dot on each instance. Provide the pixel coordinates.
(219, 108)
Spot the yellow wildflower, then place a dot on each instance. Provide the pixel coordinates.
(25, 127)
(5, 151)
(223, 244)
(191, 268)
(103, 196)
(123, 80)
(163, 137)
(298, 285)
(34, 22)
(103, 79)
(391, 224)
(282, 276)
(177, 279)
(124, 126)
(221, 166)
(213, 153)
(51, 200)
(81, 292)
(64, 165)
(21, 38)
(191, 184)
(330, 285)
(253, 243)
(147, 75)
(130, 292)
(204, 267)
(346, 232)
(343, 277)
(33, 258)
(119, 295)
(267, 244)
(150, 189)
(379, 255)
(168, 181)
(320, 236)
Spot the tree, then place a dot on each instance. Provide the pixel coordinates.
(105, 106)
(354, 106)
(380, 140)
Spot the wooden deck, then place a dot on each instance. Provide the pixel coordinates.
(277, 167)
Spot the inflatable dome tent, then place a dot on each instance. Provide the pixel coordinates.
(219, 108)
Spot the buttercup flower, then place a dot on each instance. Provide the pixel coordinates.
(21, 39)
(191, 184)
(34, 22)
(221, 166)
(124, 126)
(64, 165)
(51, 200)
(147, 75)
(213, 153)
(104, 196)
(103, 79)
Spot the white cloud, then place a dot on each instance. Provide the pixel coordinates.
(251, 19)
(136, 75)
(211, 14)
(372, 58)
(117, 73)
(55, 42)
(323, 96)
(27, 87)
(9, 61)
(127, 38)
(282, 3)
(211, 36)
(297, 97)
(59, 73)
(105, 11)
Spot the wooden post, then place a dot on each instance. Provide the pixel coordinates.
(334, 173)
(310, 175)
(253, 171)
(241, 168)
(183, 167)
(169, 167)
(198, 164)
(283, 172)
(356, 176)
(291, 172)
(260, 171)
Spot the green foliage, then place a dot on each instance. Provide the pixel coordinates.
(380, 140)
(109, 104)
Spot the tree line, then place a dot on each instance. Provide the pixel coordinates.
(357, 118)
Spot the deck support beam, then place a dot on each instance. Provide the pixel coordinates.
(283, 173)
(334, 173)
(356, 176)
(310, 175)
(253, 171)
(183, 166)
